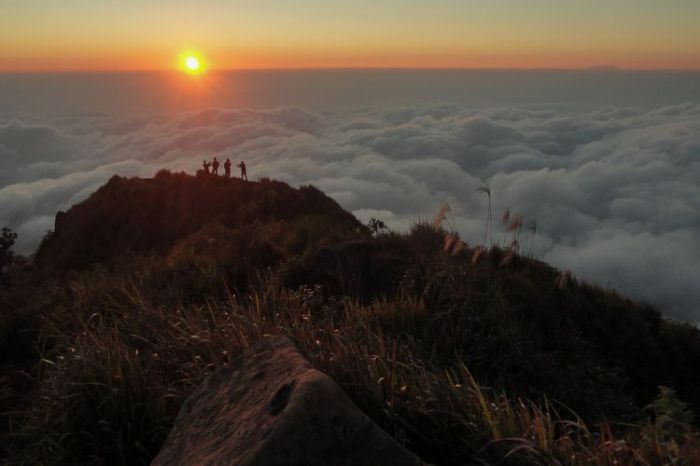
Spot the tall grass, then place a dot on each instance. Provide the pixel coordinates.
(120, 363)
(467, 356)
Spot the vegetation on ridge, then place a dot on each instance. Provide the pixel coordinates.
(465, 361)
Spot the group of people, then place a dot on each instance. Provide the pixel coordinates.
(213, 168)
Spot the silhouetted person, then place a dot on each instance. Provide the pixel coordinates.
(206, 166)
(227, 168)
(244, 171)
(215, 166)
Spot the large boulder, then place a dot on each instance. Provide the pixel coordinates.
(270, 407)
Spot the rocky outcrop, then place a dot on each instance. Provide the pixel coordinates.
(270, 407)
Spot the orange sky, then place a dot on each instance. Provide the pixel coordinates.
(132, 35)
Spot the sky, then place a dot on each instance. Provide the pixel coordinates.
(98, 35)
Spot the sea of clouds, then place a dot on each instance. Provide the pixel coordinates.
(614, 191)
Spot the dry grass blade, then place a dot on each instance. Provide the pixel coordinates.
(450, 241)
(507, 259)
(516, 222)
(506, 216)
(477, 254)
(563, 279)
(459, 247)
(514, 245)
(441, 215)
(484, 188)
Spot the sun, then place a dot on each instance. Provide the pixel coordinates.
(192, 63)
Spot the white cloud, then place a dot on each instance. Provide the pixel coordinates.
(614, 191)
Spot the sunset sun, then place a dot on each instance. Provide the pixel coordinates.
(192, 63)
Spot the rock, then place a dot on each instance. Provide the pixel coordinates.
(270, 407)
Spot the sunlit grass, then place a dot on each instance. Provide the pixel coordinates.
(121, 366)
(465, 355)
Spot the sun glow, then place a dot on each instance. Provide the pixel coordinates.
(192, 63)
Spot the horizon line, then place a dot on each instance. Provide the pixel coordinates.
(598, 68)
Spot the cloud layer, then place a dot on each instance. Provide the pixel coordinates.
(614, 191)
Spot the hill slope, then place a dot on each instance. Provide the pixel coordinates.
(141, 215)
(150, 284)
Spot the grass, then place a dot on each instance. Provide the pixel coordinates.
(130, 366)
(463, 358)
(119, 365)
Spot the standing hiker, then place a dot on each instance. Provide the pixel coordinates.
(244, 171)
(215, 166)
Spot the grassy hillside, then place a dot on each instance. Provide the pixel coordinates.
(466, 355)
(141, 215)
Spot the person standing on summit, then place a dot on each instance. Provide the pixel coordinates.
(215, 166)
(244, 171)
(227, 168)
